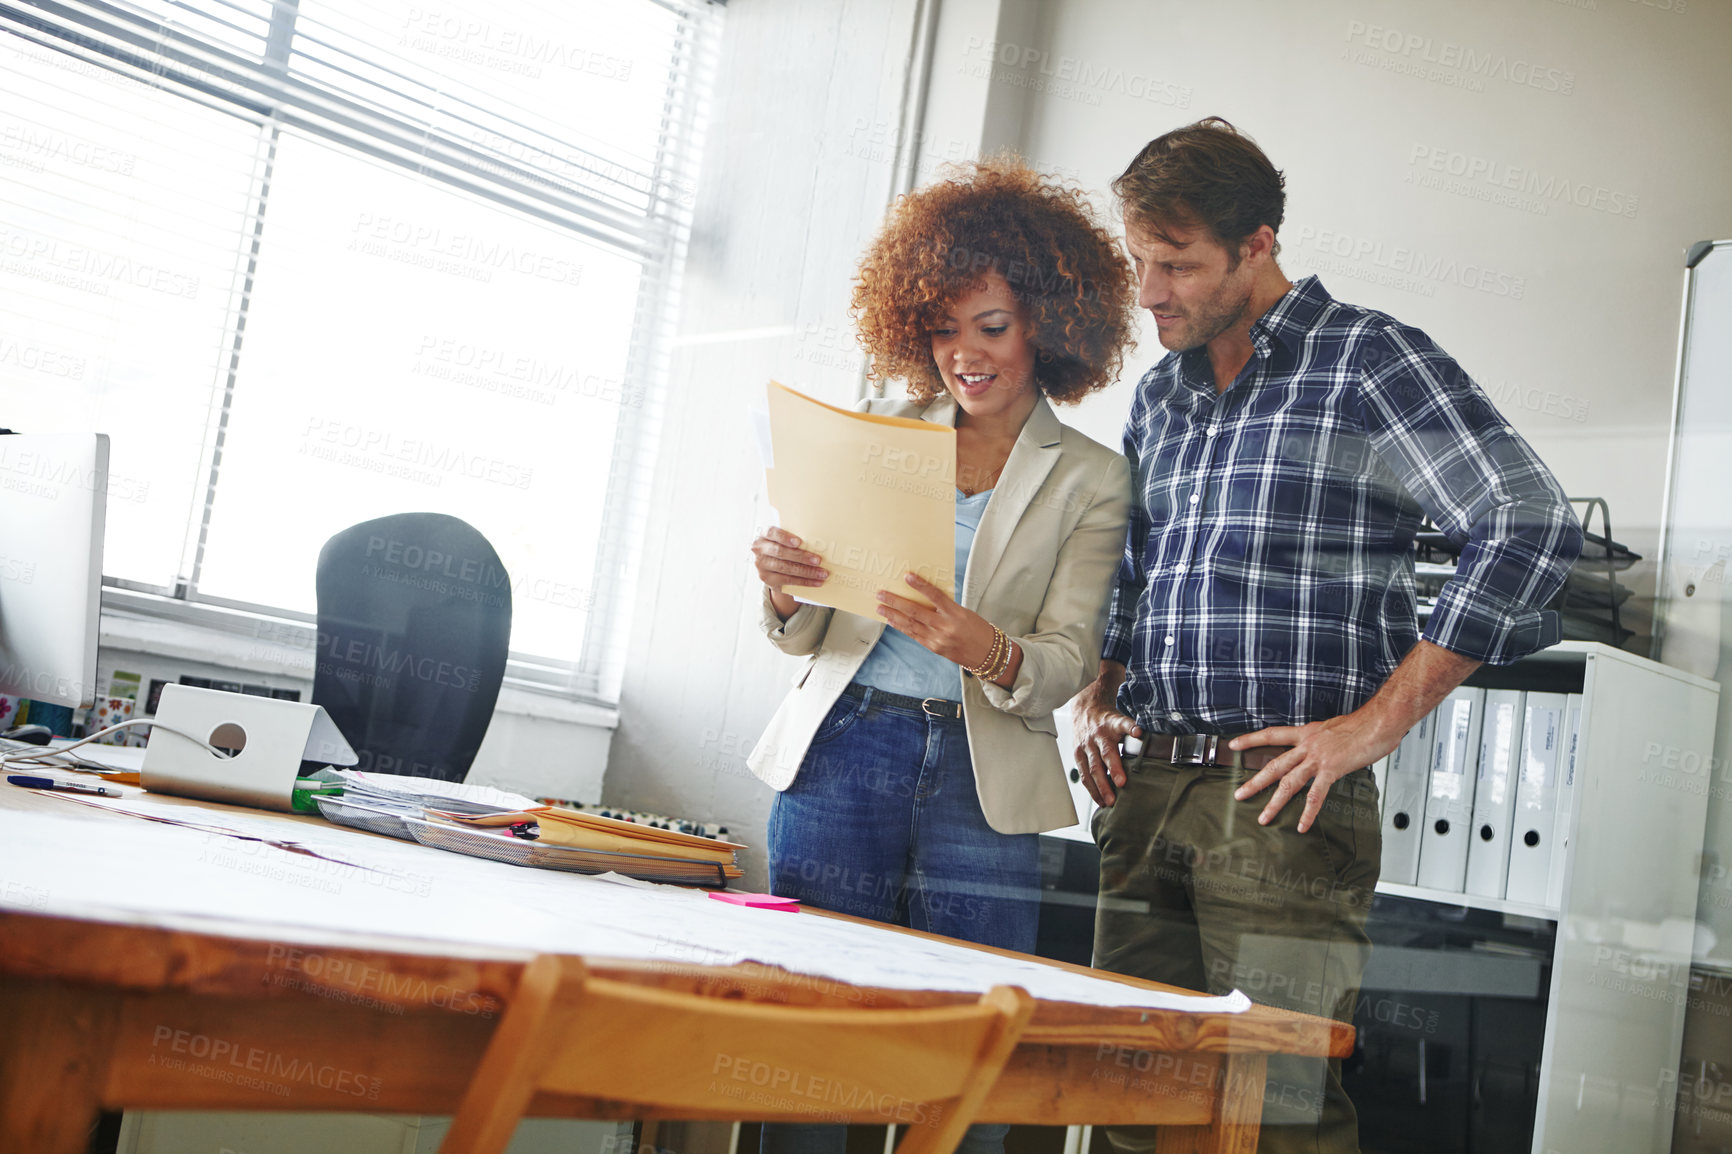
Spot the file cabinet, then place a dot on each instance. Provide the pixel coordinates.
(1451, 1026)
(1553, 1027)
(1586, 1056)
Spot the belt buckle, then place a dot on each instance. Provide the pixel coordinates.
(927, 707)
(1195, 748)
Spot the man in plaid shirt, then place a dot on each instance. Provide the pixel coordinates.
(1263, 631)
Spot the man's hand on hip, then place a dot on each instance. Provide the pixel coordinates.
(1097, 726)
(1325, 751)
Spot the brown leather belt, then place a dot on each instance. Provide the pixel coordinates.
(934, 707)
(1202, 749)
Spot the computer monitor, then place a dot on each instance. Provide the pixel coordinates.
(53, 497)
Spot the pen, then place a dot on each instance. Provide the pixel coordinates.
(31, 781)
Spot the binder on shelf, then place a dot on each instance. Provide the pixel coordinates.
(1494, 793)
(1536, 798)
(1568, 756)
(1380, 775)
(1449, 800)
(1404, 808)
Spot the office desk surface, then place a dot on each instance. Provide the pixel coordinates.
(182, 1011)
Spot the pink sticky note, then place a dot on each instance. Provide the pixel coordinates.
(757, 901)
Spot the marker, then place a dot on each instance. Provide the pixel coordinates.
(29, 781)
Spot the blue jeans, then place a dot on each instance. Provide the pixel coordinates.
(883, 822)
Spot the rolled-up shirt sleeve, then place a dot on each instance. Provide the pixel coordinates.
(1128, 584)
(1482, 486)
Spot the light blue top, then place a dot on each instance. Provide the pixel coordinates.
(900, 664)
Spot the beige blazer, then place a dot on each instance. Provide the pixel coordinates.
(1041, 569)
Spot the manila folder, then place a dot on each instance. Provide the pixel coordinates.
(559, 826)
(874, 496)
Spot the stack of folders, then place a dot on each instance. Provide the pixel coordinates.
(379, 802)
(508, 827)
(566, 839)
(1477, 797)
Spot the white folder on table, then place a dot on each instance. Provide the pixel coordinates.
(1404, 807)
(1500, 739)
(1569, 756)
(1449, 801)
(1536, 798)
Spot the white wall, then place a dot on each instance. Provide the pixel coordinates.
(1630, 105)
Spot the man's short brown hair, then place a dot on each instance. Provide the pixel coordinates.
(1209, 174)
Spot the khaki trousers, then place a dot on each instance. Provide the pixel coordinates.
(1195, 893)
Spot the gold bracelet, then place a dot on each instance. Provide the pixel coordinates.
(992, 655)
(996, 658)
(1004, 662)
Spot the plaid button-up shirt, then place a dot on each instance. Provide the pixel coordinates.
(1268, 573)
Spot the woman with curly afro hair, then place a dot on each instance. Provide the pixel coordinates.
(917, 757)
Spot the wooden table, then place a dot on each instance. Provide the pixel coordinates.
(253, 1015)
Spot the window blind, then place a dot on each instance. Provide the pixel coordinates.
(308, 263)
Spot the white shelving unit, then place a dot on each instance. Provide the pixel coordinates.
(1621, 964)
(1470, 901)
(1624, 933)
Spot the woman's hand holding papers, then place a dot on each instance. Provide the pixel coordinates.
(781, 562)
(954, 633)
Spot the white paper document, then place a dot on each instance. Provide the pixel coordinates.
(151, 873)
(418, 792)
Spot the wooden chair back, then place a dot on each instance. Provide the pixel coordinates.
(569, 1033)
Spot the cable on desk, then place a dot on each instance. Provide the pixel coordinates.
(41, 755)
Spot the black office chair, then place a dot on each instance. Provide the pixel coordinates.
(414, 626)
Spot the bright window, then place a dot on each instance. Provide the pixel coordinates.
(312, 264)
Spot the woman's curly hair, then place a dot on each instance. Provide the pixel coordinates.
(997, 215)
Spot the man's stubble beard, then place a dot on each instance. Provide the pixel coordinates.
(1217, 317)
